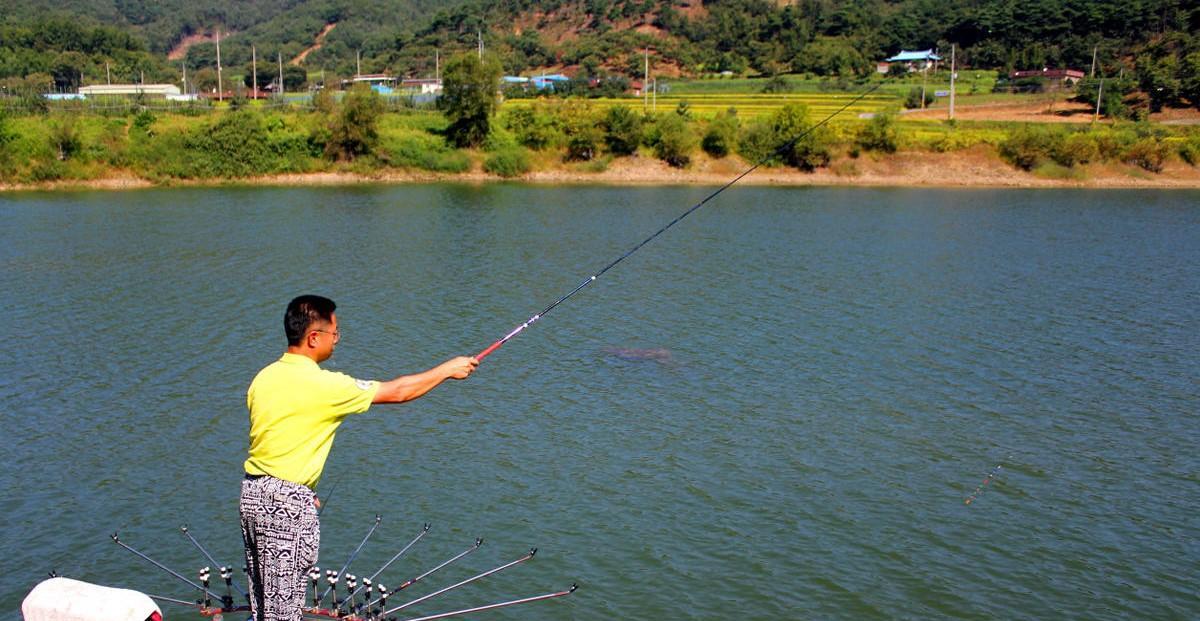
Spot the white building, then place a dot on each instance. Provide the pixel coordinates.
(153, 90)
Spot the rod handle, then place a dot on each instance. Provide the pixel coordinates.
(491, 348)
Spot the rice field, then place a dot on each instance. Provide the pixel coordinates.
(747, 106)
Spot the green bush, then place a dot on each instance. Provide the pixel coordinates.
(583, 139)
(1112, 143)
(674, 140)
(423, 151)
(1148, 153)
(65, 139)
(912, 100)
(1189, 150)
(500, 139)
(1030, 145)
(142, 121)
(801, 144)
(1076, 148)
(757, 143)
(509, 163)
(721, 136)
(777, 84)
(622, 130)
(879, 134)
(533, 126)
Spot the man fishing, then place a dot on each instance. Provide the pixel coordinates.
(295, 410)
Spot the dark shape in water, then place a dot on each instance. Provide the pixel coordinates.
(629, 353)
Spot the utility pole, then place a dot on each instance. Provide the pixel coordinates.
(220, 85)
(437, 65)
(1094, 50)
(254, 68)
(479, 35)
(952, 75)
(924, 79)
(357, 63)
(1099, 95)
(646, 82)
(280, 56)
(184, 65)
(108, 73)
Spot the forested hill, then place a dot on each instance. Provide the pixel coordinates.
(1154, 40)
(286, 27)
(829, 35)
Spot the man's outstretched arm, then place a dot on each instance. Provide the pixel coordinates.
(409, 387)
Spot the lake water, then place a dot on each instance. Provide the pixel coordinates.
(840, 371)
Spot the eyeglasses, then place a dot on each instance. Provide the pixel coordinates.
(337, 334)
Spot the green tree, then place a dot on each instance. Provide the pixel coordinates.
(879, 134)
(1189, 75)
(674, 140)
(801, 144)
(294, 78)
(355, 130)
(469, 87)
(622, 130)
(721, 136)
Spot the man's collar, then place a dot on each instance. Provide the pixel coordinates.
(291, 358)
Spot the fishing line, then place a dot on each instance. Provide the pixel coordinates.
(787, 145)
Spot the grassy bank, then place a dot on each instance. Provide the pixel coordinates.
(578, 137)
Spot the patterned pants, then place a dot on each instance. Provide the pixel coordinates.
(282, 536)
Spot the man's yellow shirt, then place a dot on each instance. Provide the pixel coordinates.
(295, 410)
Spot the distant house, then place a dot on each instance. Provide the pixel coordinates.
(379, 82)
(547, 82)
(915, 61)
(424, 86)
(130, 90)
(1052, 79)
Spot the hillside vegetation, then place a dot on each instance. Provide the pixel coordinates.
(1152, 41)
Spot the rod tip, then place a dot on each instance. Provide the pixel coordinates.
(573, 588)
(532, 551)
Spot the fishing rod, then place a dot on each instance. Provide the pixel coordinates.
(332, 489)
(333, 583)
(367, 581)
(203, 589)
(226, 572)
(536, 598)
(587, 281)
(412, 581)
(485, 574)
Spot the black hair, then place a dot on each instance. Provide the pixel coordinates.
(304, 311)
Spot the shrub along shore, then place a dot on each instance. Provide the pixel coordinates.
(359, 138)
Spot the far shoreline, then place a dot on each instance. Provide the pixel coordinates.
(972, 168)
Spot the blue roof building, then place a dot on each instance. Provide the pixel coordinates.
(915, 60)
(906, 56)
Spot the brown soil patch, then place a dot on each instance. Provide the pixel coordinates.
(1177, 116)
(317, 43)
(180, 50)
(974, 167)
(1035, 112)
